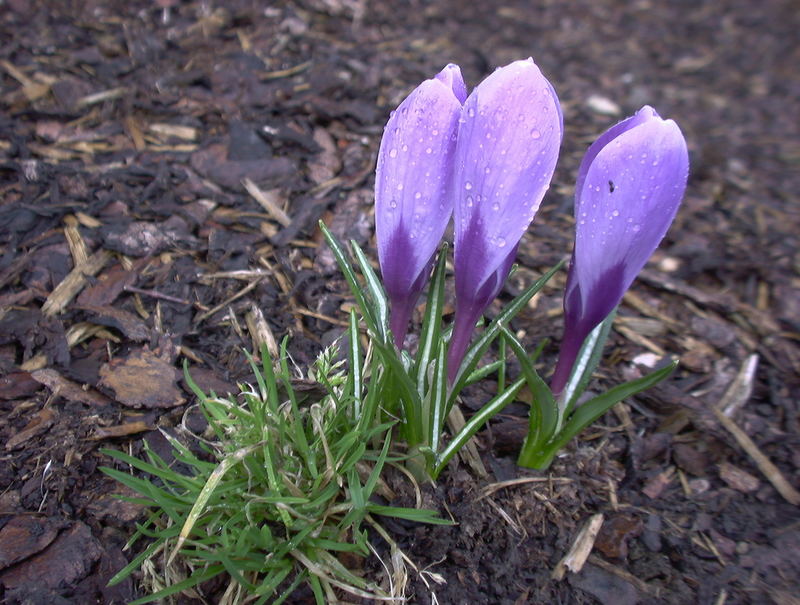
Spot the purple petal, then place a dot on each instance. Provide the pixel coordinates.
(413, 202)
(451, 77)
(508, 142)
(630, 185)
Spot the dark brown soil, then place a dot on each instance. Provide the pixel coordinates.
(126, 134)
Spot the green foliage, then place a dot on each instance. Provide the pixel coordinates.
(417, 390)
(283, 488)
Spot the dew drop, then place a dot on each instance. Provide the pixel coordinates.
(399, 186)
(393, 204)
(636, 228)
(471, 112)
(404, 148)
(496, 206)
(469, 201)
(487, 170)
(655, 163)
(501, 242)
(429, 150)
(535, 134)
(417, 195)
(467, 185)
(393, 153)
(615, 213)
(434, 132)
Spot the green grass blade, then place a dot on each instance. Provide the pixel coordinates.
(196, 578)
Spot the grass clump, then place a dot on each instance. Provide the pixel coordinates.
(279, 494)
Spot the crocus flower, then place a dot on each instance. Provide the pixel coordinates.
(508, 141)
(413, 180)
(629, 186)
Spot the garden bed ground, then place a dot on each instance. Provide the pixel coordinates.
(180, 154)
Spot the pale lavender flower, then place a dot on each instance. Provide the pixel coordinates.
(413, 198)
(508, 141)
(629, 187)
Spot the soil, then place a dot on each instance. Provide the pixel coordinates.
(163, 166)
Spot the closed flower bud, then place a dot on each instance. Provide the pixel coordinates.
(413, 198)
(629, 187)
(508, 142)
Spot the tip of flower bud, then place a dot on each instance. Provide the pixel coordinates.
(451, 77)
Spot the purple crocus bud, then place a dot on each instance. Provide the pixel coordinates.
(629, 187)
(413, 199)
(508, 142)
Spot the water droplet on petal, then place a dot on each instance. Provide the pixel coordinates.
(393, 153)
(393, 204)
(399, 186)
(471, 112)
(434, 132)
(469, 201)
(467, 185)
(501, 242)
(615, 213)
(636, 228)
(535, 133)
(496, 206)
(429, 150)
(417, 195)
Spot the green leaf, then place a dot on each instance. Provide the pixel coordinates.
(431, 335)
(420, 515)
(376, 291)
(476, 351)
(350, 275)
(354, 384)
(412, 405)
(474, 424)
(438, 399)
(542, 421)
(596, 407)
(585, 364)
(483, 372)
